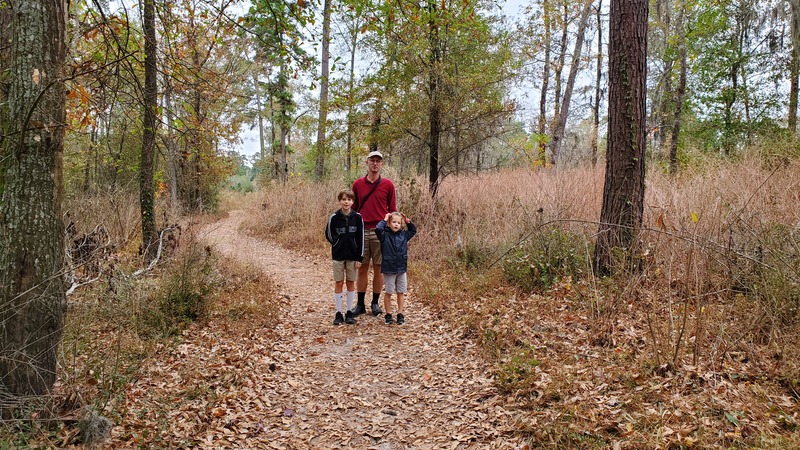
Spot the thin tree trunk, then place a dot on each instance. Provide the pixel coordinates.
(794, 68)
(558, 132)
(351, 100)
(676, 125)
(257, 89)
(542, 147)
(146, 194)
(323, 92)
(559, 68)
(32, 286)
(598, 78)
(623, 193)
(434, 112)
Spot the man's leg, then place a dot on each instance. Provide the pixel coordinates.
(377, 286)
(361, 287)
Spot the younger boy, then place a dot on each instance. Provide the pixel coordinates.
(345, 232)
(394, 247)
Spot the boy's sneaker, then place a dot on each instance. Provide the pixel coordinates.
(388, 319)
(376, 310)
(400, 319)
(359, 309)
(338, 320)
(348, 318)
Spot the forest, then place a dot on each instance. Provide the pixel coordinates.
(606, 194)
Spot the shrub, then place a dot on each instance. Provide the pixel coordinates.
(547, 257)
(183, 296)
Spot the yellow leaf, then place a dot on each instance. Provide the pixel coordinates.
(36, 77)
(695, 219)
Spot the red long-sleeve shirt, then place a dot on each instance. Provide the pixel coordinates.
(380, 202)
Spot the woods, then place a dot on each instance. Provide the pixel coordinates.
(492, 121)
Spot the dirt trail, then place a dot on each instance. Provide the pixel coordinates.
(369, 385)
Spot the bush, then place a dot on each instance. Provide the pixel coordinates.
(183, 296)
(546, 258)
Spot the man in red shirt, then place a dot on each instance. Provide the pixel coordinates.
(375, 196)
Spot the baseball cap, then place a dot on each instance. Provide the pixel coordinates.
(375, 153)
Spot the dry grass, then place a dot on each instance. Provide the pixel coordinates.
(697, 350)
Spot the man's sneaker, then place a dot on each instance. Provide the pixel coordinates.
(388, 319)
(400, 319)
(348, 318)
(338, 320)
(359, 309)
(376, 310)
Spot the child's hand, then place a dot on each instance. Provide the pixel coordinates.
(358, 264)
(387, 217)
(405, 218)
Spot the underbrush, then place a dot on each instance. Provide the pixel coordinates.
(117, 324)
(696, 348)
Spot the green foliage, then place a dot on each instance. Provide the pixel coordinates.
(515, 373)
(184, 295)
(547, 257)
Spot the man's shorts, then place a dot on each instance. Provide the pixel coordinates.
(395, 283)
(340, 268)
(372, 248)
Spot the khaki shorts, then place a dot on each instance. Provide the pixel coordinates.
(372, 248)
(340, 268)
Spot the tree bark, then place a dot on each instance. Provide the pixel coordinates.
(32, 286)
(623, 193)
(146, 195)
(323, 91)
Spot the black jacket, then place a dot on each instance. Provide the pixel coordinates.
(394, 247)
(346, 235)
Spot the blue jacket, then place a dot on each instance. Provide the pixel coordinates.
(394, 247)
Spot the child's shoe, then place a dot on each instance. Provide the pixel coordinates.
(400, 319)
(348, 318)
(338, 320)
(388, 319)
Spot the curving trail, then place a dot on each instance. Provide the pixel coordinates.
(364, 386)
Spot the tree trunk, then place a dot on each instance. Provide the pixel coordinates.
(323, 90)
(559, 68)
(6, 40)
(623, 193)
(259, 112)
(794, 69)
(434, 111)
(146, 197)
(598, 78)
(32, 286)
(558, 132)
(285, 102)
(676, 124)
(351, 100)
(542, 143)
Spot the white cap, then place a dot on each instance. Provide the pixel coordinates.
(375, 153)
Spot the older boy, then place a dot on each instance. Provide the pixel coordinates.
(345, 232)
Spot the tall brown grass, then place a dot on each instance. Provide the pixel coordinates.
(720, 249)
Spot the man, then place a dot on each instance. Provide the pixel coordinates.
(375, 197)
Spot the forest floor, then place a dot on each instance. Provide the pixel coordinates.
(305, 383)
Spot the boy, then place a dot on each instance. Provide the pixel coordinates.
(394, 247)
(345, 232)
